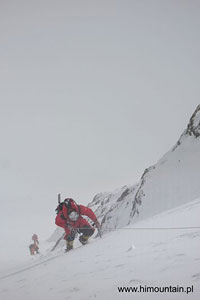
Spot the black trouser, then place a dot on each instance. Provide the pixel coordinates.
(85, 230)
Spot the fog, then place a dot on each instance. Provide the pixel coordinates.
(91, 93)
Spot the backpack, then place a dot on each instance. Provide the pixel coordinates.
(70, 204)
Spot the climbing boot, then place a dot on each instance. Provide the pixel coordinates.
(83, 239)
(69, 246)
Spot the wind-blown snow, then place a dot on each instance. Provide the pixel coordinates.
(131, 256)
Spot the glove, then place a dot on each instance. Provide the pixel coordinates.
(96, 223)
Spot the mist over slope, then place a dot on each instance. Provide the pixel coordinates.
(172, 181)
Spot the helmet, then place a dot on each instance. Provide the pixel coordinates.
(68, 200)
(71, 205)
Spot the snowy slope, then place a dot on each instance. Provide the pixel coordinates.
(173, 181)
(132, 256)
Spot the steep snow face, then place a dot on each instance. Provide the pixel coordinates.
(142, 254)
(174, 180)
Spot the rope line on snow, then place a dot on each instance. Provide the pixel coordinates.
(145, 228)
(158, 228)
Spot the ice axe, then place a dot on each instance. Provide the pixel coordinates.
(59, 198)
(98, 229)
(62, 236)
(99, 232)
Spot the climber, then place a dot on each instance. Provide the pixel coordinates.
(69, 217)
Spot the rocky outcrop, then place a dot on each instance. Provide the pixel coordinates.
(170, 182)
(193, 128)
(194, 124)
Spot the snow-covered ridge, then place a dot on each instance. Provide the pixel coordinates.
(193, 128)
(172, 181)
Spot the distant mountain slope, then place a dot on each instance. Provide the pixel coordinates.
(173, 181)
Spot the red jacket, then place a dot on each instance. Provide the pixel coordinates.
(63, 220)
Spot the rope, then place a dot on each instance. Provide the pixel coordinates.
(149, 228)
(159, 228)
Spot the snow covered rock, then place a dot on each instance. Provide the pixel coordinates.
(172, 181)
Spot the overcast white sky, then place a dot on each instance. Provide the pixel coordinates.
(91, 93)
